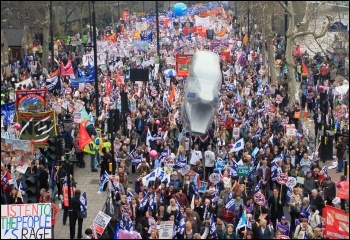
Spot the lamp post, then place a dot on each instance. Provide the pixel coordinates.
(51, 33)
(95, 58)
(90, 30)
(157, 24)
(67, 163)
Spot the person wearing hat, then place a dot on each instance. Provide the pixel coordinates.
(283, 226)
(329, 190)
(309, 184)
(229, 233)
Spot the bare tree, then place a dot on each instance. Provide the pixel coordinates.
(300, 29)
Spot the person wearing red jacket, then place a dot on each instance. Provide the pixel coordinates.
(6, 182)
(180, 197)
(343, 191)
(47, 199)
(323, 72)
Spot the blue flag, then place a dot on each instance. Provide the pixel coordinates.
(21, 188)
(212, 227)
(242, 222)
(144, 201)
(181, 163)
(129, 196)
(181, 223)
(83, 202)
(195, 190)
(230, 205)
(258, 186)
(325, 170)
(152, 202)
(116, 231)
(53, 83)
(234, 168)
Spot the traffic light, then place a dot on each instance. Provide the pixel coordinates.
(32, 191)
(55, 148)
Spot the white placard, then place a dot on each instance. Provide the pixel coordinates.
(101, 59)
(300, 180)
(100, 222)
(166, 230)
(26, 221)
(77, 117)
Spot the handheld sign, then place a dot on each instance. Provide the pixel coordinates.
(243, 170)
(220, 164)
(292, 181)
(203, 187)
(282, 178)
(259, 198)
(125, 210)
(168, 160)
(215, 178)
(184, 170)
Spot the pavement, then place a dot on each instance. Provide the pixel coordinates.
(89, 182)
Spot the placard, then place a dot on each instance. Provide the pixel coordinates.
(259, 198)
(166, 230)
(126, 210)
(235, 133)
(77, 117)
(300, 180)
(290, 130)
(220, 164)
(23, 149)
(184, 170)
(100, 222)
(183, 62)
(243, 170)
(26, 221)
(215, 178)
(282, 178)
(115, 179)
(292, 182)
(89, 58)
(202, 186)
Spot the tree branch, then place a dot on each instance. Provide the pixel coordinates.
(285, 7)
(314, 34)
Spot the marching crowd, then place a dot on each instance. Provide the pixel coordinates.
(249, 111)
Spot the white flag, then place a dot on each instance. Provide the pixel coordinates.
(239, 145)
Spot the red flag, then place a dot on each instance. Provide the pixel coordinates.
(108, 85)
(68, 69)
(84, 137)
(119, 79)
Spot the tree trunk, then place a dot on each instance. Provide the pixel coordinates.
(270, 49)
(56, 15)
(46, 34)
(263, 46)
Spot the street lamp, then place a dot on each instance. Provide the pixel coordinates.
(67, 163)
(157, 24)
(51, 33)
(95, 58)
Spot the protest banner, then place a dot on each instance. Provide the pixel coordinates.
(77, 117)
(23, 149)
(336, 223)
(26, 221)
(89, 58)
(183, 62)
(166, 230)
(100, 222)
(31, 100)
(203, 187)
(243, 170)
(37, 127)
(203, 22)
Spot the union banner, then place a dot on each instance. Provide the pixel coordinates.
(37, 127)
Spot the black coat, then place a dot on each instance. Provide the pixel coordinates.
(75, 206)
(43, 177)
(272, 205)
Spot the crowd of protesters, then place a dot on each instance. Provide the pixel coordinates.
(245, 89)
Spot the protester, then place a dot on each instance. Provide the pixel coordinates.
(247, 111)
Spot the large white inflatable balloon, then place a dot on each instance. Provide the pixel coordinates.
(201, 92)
